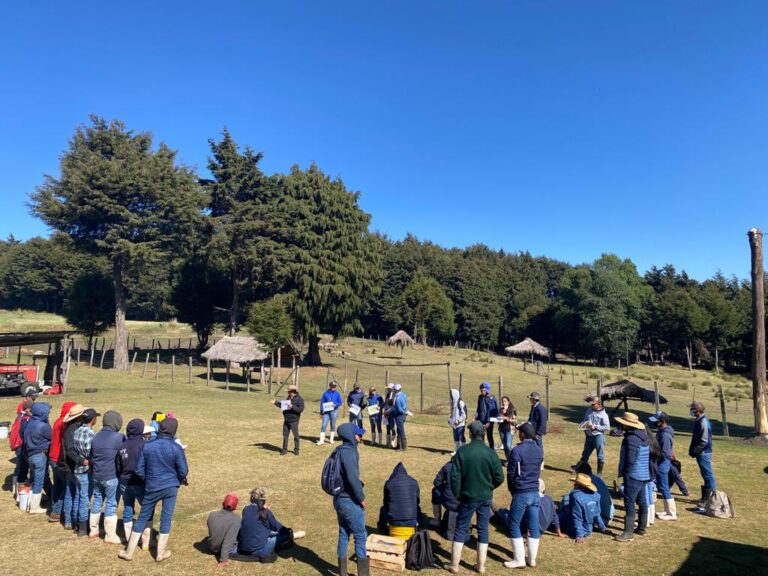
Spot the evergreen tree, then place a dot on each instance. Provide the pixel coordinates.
(427, 308)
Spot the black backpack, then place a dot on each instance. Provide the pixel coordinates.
(418, 555)
(330, 479)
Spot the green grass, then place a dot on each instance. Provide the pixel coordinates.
(232, 436)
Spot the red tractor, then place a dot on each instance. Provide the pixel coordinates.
(21, 377)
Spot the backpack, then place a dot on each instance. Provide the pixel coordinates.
(330, 479)
(718, 505)
(418, 554)
(15, 439)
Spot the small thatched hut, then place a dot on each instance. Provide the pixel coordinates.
(401, 339)
(241, 349)
(528, 347)
(625, 390)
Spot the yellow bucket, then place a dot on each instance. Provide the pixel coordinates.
(404, 532)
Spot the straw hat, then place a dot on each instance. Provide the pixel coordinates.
(75, 412)
(630, 419)
(584, 481)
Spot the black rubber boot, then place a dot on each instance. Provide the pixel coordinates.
(629, 527)
(600, 466)
(363, 567)
(403, 445)
(343, 567)
(82, 528)
(642, 522)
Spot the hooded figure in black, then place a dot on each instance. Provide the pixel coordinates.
(401, 500)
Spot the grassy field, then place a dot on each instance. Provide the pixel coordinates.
(233, 439)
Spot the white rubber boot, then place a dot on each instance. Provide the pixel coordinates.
(93, 526)
(127, 529)
(146, 537)
(333, 435)
(670, 507)
(518, 552)
(533, 551)
(299, 534)
(663, 515)
(130, 548)
(34, 504)
(482, 554)
(162, 548)
(110, 530)
(456, 549)
(651, 512)
(322, 439)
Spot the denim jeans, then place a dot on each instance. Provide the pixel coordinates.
(540, 443)
(21, 469)
(70, 499)
(151, 499)
(274, 540)
(351, 517)
(58, 488)
(329, 417)
(466, 510)
(105, 491)
(38, 468)
(592, 443)
(704, 460)
(375, 423)
(458, 434)
(83, 496)
(635, 492)
(131, 494)
(662, 479)
(524, 504)
(506, 442)
(400, 424)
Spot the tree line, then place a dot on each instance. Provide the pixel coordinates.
(138, 235)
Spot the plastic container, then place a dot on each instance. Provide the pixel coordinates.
(24, 491)
(4, 432)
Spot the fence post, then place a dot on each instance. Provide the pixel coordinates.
(656, 395)
(93, 350)
(501, 380)
(421, 393)
(525, 365)
(546, 386)
(270, 379)
(133, 361)
(157, 366)
(189, 378)
(146, 363)
(461, 383)
(449, 376)
(722, 409)
(208, 372)
(357, 375)
(101, 362)
(78, 355)
(173, 368)
(573, 378)
(386, 378)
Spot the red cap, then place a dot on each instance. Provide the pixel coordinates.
(230, 501)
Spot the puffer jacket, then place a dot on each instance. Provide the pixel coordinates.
(162, 464)
(401, 498)
(635, 456)
(37, 433)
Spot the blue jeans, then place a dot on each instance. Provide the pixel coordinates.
(329, 417)
(58, 488)
(400, 424)
(375, 422)
(662, 479)
(151, 499)
(593, 443)
(466, 510)
(524, 504)
(131, 493)
(21, 469)
(506, 441)
(704, 460)
(458, 434)
(38, 467)
(70, 499)
(540, 443)
(351, 519)
(83, 496)
(635, 492)
(274, 540)
(105, 491)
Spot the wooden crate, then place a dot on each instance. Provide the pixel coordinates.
(386, 552)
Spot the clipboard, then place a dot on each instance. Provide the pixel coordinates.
(373, 410)
(285, 405)
(354, 409)
(328, 407)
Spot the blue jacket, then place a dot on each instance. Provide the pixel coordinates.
(104, 449)
(635, 456)
(442, 492)
(37, 432)
(487, 408)
(401, 499)
(130, 450)
(329, 396)
(538, 417)
(581, 511)
(350, 464)
(606, 503)
(665, 437)
(524, 467)
(162, 464)
(357, 398)
(401, 404)
(701, 439)
(254, 531)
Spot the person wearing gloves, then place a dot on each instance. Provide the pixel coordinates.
(595, 425)
(131, 486)
(163, 467)
(330, 402)
(357, 399)
(375, 402)
(582, 509)
(458, 420)
(349, 503)
(523, 471)
(291, 417)
(37, 441)
(223, 526)
(665, 436)
(400, 411)
(83, 450)
(104, 448)
(260, 533)
(59, 475)
(635, 469)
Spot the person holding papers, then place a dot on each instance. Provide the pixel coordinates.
(330, 402)
(356, 401)
(375, 403)
(292, 408)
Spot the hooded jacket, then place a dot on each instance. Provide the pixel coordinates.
(665, 437)
(401, 499)
(37, 433)
(458, 410)
(350, 465)
(105, 447)
(129, 452)
(58, 431)
(162, 464)
(635, 456)
(442, 491)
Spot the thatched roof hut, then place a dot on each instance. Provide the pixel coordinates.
(528, 347)
(624, 390)
(240, 349)
(400, 338)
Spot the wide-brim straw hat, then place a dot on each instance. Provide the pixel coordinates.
(630, 419)
(584, 481)
(75, 412)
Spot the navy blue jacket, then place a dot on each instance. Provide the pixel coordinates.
(701, 439)
(104, 448)
(524, 467)
(37, 432)
(487, 408)
(130, 450)
(357, 398)
(547, 516)
(401, 498)
(665, 437)
(442, 492)
(635, 455)
(254, 531)
(350, 464)
(538, 417)
(162, 464)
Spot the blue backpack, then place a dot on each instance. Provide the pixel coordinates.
(330, 479)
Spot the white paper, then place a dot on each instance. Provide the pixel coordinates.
(373, 410)
(285, 405)
(328, 407)
(495, 420)
(354, 409)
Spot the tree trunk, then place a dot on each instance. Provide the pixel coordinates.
(717, 361)
(313, 352)
(121, 342)
(758, 333)
(688, 354)
(235, 304)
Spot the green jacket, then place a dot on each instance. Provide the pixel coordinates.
(476, 471)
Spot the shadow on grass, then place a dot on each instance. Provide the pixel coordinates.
(711, 556)
(8, 483)
(307, 556)
(556, 469)
(432, 450)
(267, 446)
(203, 547)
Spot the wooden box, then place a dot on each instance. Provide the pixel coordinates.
(386, 552)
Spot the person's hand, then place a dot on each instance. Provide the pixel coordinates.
(486, 425)
(561, 535)
(579, 541)
(362, 504)
(222, 564)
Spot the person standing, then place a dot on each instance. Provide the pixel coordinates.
(475, 473)
(389, 419)
(68, 461)
(37, 441)
(375, 403)
(131, 486)
(83, 448)
(356, 400)
(665, 436)
(400, 411)
(523, 472)
(538, 418)
(486, 409)
(635, 469)
(701, 449)
(58, 487)
(163, 467)
(595, 424)
(330, 402)
(508, 417)
(106, 444)
(458, 420)
(349, 503)
(223, 526)
(16, 441)
(291, 417)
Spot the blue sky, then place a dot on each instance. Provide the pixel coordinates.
(564, 128)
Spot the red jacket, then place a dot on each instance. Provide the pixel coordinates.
(58, 431)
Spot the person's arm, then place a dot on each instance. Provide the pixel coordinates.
(274, 525)
(703, 440)
(337, 401)
(456, 477)
(498, 472)
(349, 399)
(598, 519)
(513, 470)
(230, 539)
(543, 421)
(622, 457)
(351, 474)
(140, 469)
(180, 462)
(577, 515)
(605, 423)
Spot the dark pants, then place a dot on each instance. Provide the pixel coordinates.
(466, 510)
(635, 492)
(675, 478)
(400, 424)
(291, 427)
(489, 435)
(22, 468)
(375, 423)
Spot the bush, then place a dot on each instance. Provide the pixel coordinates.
(706, 383)
(679, 385)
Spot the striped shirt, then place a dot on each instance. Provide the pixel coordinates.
(83, 440)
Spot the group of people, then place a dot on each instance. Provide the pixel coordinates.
(91, 471)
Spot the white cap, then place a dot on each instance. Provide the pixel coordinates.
(390, 386)
(397, 387)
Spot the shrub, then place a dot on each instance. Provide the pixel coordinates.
(706, 383)
(679, 385)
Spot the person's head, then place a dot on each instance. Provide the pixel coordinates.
(594, 402)
(230, 502)
(696, 409)
(332, 386)
(292, 391)
(75, 413)
(158, 417)
(660, 419)
(356, 387)
(112, 420)
(583, 467)
(26, 405)
(397, 388)
(258, 495)
(505, 403)
(476, 431)
(534, 397)
(89, 417)
(584, 482)
(630, 421)
(485, 389)
(359, 433)
(371, 390)
(168, 427)
(526, 431)
(147, 432)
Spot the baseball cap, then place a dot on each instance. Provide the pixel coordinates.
(659, 416)
(230, 501)
(359, 431)
(89, 414)
(485, 386)
(397, 387)
(527, 429)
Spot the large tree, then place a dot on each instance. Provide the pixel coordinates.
(426, 306)
(119, 198)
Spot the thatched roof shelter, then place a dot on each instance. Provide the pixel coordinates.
(240, 349)
(624, 390)
(528, 347)
(400, 338)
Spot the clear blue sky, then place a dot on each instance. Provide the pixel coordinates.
(564, 128)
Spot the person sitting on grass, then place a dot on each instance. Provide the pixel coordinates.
(548, 519)
(400, 512)
(581, 510)
(223, 527)
(260, 533)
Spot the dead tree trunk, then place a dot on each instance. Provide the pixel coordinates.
(758, 333)
(121, 343)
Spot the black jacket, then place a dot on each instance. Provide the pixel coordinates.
(294, 413)
(68, 457)
(128, 455)
(401, 499)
